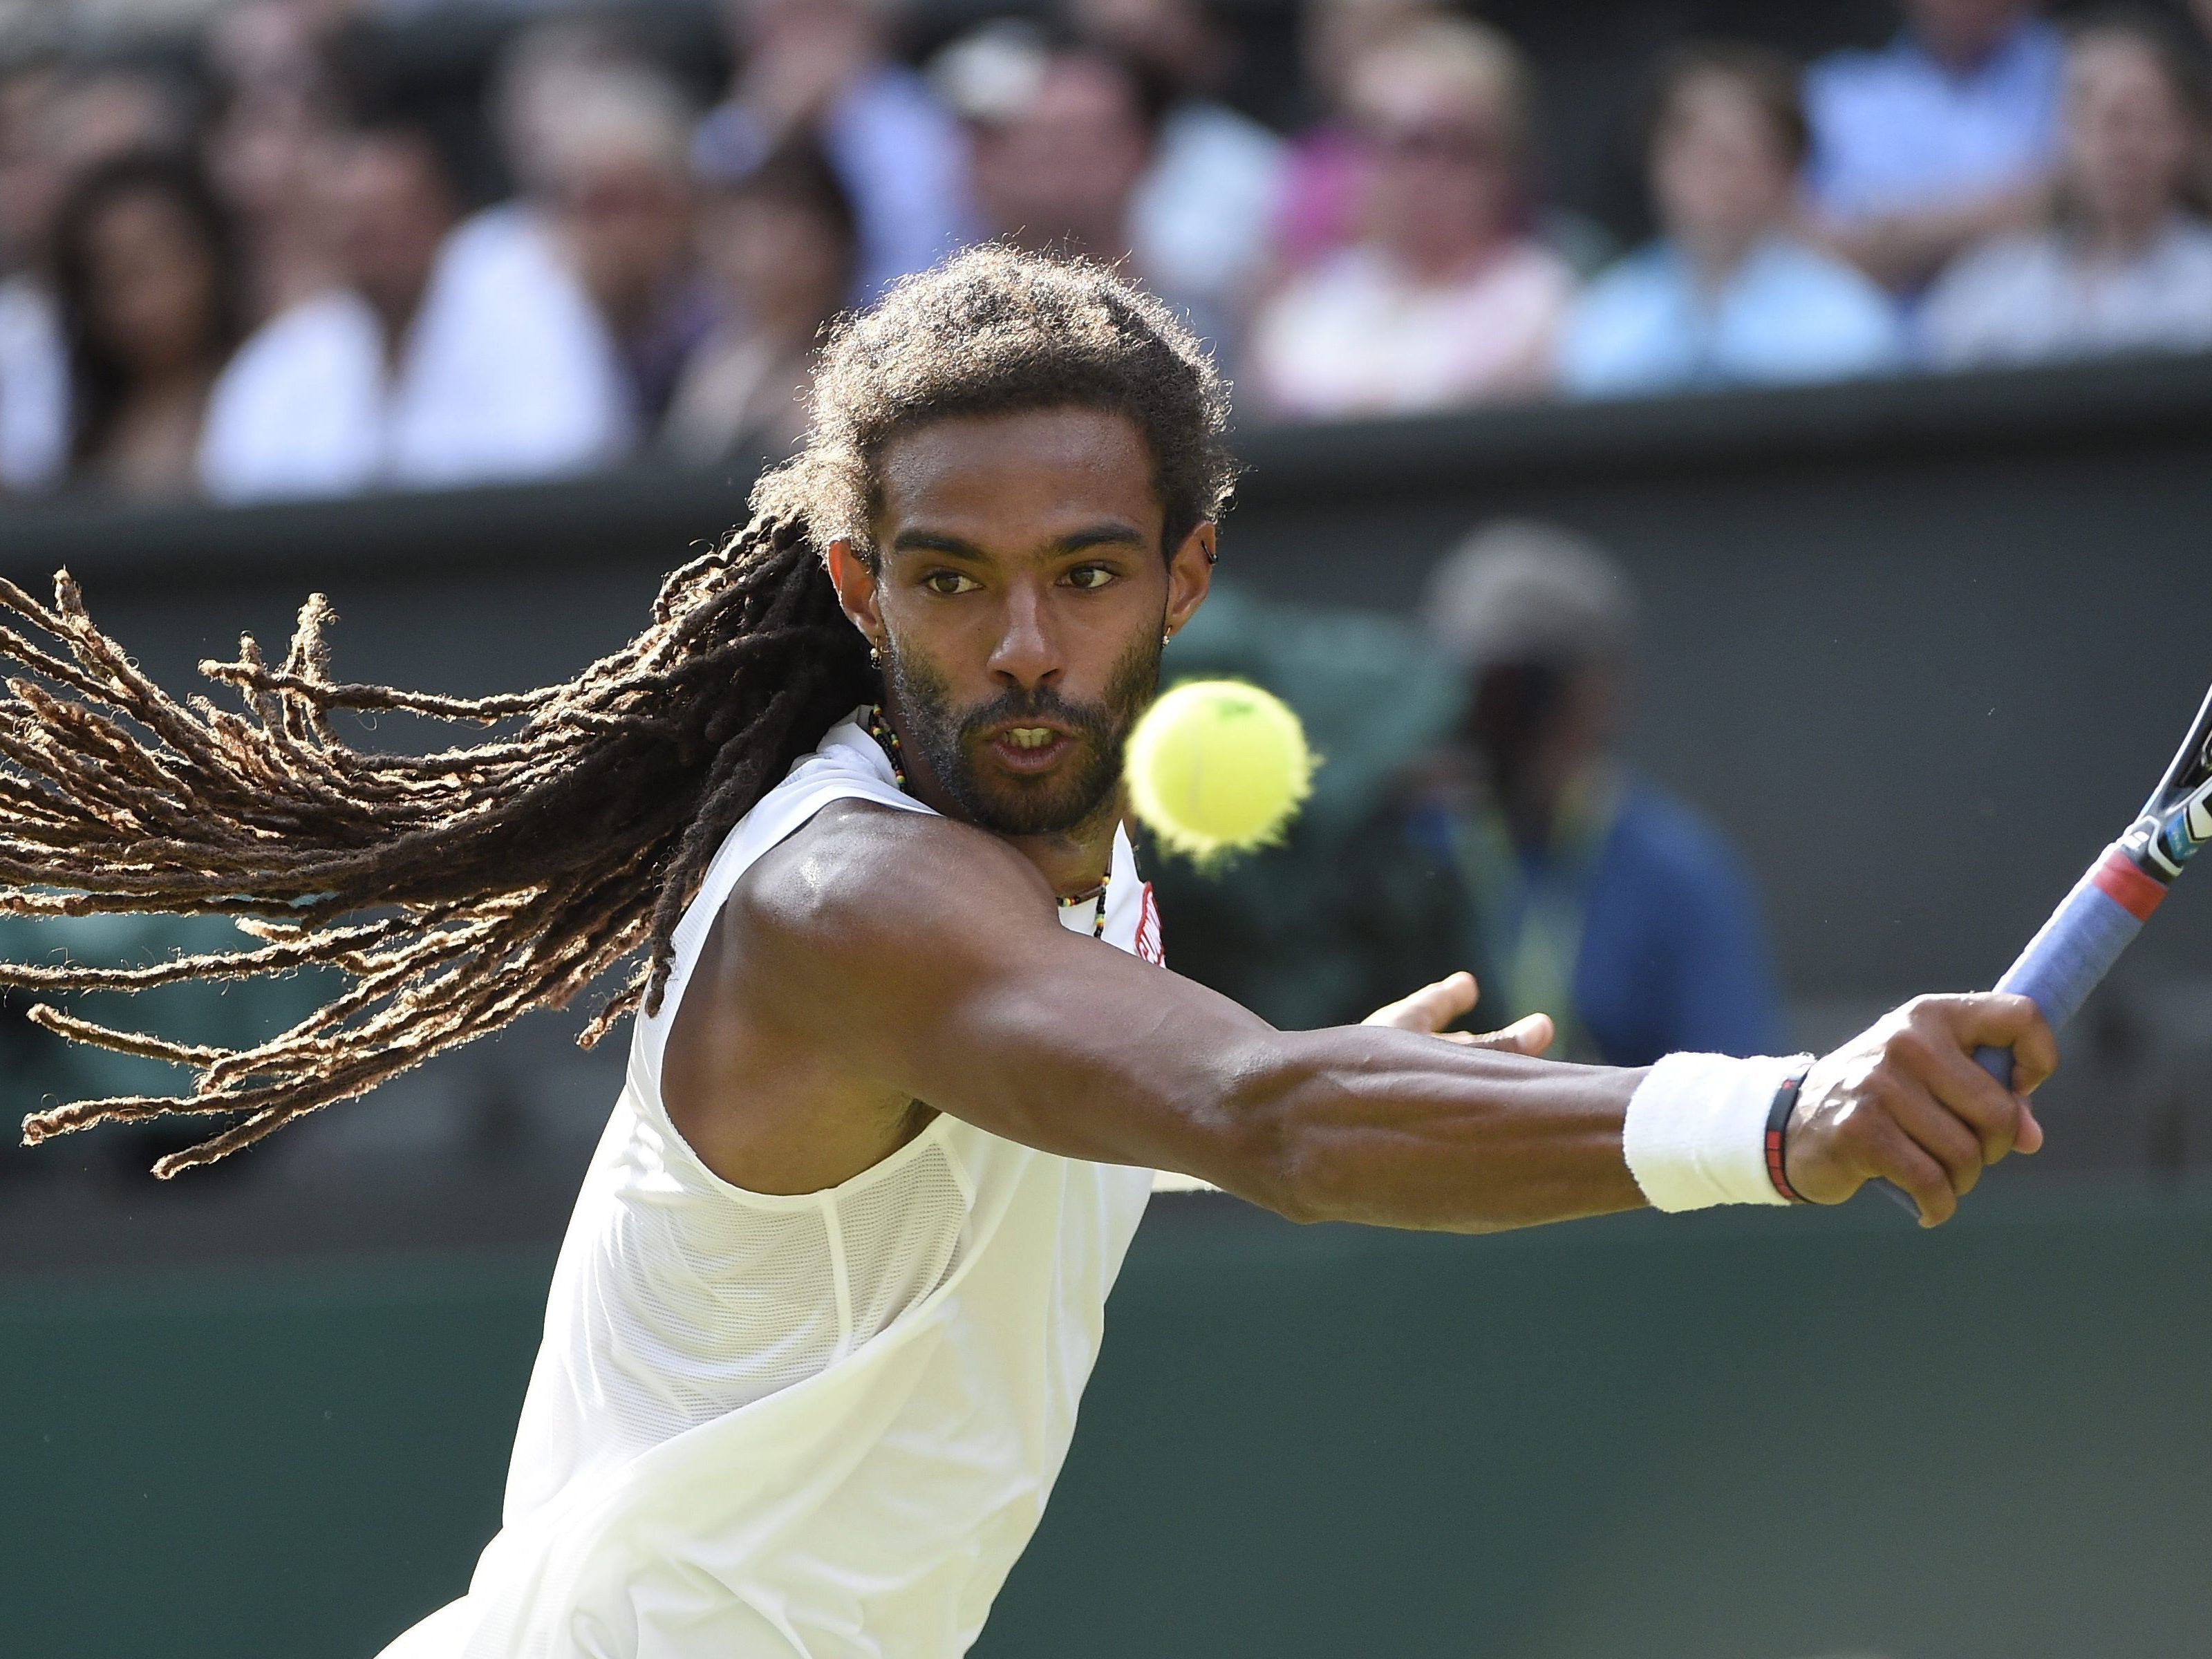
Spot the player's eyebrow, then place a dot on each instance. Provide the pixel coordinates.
(1111, 534)
(929, 541)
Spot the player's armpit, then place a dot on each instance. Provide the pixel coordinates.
(963, 991)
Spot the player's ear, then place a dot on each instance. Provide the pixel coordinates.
(1190, 574)
(856, 586)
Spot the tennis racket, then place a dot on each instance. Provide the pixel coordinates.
(2077, 947)
(2100, 919)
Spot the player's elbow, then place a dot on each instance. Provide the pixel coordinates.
(1272, 1157)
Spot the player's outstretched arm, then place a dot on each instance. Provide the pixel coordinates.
(960, 990)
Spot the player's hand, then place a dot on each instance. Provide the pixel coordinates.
(1905, 1103)
(1435, 1006)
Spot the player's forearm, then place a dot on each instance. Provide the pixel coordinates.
(1396, 1128)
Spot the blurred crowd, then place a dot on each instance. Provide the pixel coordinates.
(294, 260)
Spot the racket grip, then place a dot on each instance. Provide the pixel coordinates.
(2077, 947)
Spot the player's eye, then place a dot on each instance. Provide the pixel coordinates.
(949, 582)
(1090, 578)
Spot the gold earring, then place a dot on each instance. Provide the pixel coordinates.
(875, 654)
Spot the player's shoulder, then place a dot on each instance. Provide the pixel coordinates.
(861, 877)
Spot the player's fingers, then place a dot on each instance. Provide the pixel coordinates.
(2031, 1132)
(1530, 1034)
(1933, 1054)
(1937, 1131)
(1898, 1159)
(1999, 1019)
(1455, 994)
(1431, 1008)
(2035, 1055)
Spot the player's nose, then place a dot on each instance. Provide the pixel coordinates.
(1027, 652)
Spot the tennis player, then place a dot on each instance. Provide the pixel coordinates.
(907, 1057)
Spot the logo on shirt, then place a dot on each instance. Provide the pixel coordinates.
(1148, 930)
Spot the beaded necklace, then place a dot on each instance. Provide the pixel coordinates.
(879, 728)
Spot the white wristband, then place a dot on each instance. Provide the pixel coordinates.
(1695, 1131)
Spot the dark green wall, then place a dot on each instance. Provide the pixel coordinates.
(1921, 646)
(1746, 1436)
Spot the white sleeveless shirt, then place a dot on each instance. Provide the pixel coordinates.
(811, 1427)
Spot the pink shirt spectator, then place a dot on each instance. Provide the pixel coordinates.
(1444, 301)
(1358, 335)
(1318, 210)
(1320, 203)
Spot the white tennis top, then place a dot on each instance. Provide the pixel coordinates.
(822, 1425)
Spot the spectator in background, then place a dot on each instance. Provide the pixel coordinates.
(1060, 135)
(618, 174)
(30, 174)
(2128, 263)
(459, 352)
(598, 226)
(821, 68)
(146, 266)
(33, 361)
(1447, 299)
(110, 109)
(780, 244)
(541, 72)
(2200, 16)
(57, 122)
(1585, 892)
(1203, 215)
(1319, 212)
(1943, 137)
(269, 150)
(1729, 294)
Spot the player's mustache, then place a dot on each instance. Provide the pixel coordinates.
(1083, 720)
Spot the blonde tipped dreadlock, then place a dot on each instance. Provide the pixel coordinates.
(514, 872)
(461, 888)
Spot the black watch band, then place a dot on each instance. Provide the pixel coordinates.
(1778, 1129)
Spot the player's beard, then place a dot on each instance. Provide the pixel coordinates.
(1072, 792)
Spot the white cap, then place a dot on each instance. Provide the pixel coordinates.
(1520, 589)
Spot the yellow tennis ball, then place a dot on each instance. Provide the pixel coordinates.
(1217, 767)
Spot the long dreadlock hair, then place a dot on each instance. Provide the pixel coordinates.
(457, 889)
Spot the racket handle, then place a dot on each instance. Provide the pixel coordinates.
(2077, 947)
(2071, 953)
